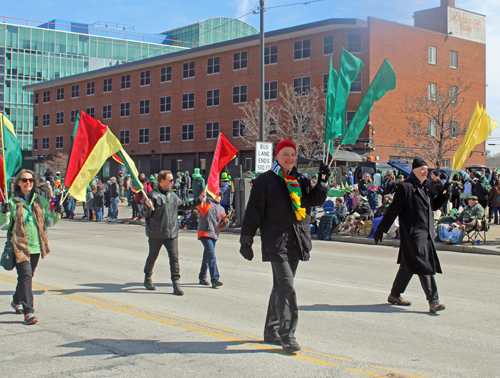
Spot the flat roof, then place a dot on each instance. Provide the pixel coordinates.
(272, 36)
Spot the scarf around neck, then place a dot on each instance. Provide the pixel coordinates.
(293, 188)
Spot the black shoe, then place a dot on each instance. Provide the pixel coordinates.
(272, 339)
(290, 346)
(148, 283)
(177, 288)
(18, 308)
(216, 284)
(204, 282)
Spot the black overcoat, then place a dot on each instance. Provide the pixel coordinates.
(270, 209)
(414, 203)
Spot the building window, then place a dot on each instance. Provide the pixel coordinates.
(73, 115)
(187, 132)
(302, 49)
(271, 90)
(166, 74)
(107, 85)
(90, 112)
(75, 91)
(125, 82)
(453, 59)
(354, 44)
(164, 134)
(59, 142)
(453, 129)
(240, 60)
(348, 118)
(144, 107)
(106, 112)
(188, 70)
(432, 55)
(46, 96)
(213, 98)
(356, 84)
(238, 128)
(302, 86)
(213, 65)
(301, 124)
(446, 163)
(271, 55)
(165, 104)
(143, 136)
(125, 136)
(188, 101)
(145, 78)
(432, 91)
(325, 82)
(125, 109)
(45, 143)
(432, 127)
(453, 95)
(91, 88)
(35, 144)
(240, 94)
(212, 130)
(60, 94)
(46, 120)
(35, 121)
(328, 45)
(59, 118)
(273, 127)
(36, 98)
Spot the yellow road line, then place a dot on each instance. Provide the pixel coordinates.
(199, 327)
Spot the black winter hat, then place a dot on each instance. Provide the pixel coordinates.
(418, 162)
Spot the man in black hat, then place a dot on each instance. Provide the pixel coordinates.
(414, 203)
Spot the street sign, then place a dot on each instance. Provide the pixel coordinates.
(263, 156)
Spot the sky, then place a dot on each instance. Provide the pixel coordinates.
(155, 16)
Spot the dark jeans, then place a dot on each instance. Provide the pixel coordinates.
(403, 278)
(282, 311)
(173, 255)
(455, 201)
(483, 203)
(24, 291)
(494, 211)
(209, 261)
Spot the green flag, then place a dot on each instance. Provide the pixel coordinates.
(348, 72)
(124, 159)
(384, 81)
(333, 79)
(12, 155)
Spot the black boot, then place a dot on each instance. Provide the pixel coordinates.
(177, 288)
(148, 282)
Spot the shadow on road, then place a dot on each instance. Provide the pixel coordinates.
(382, 307)
(124, 348)
(129, 287)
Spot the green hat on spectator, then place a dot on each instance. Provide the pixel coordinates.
(224, 177)
(196, 173)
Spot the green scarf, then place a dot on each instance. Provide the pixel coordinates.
(293, 188)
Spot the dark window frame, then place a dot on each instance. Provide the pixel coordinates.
(240, 96)
(187, 132)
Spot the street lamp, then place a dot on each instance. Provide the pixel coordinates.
(261, 78)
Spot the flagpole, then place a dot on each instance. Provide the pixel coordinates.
(333, 158)
(3, 156)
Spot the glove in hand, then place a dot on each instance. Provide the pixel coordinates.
(378, 235)
(59, 209)
(324, 173)
(246, 251)
(447, 187)
(5, 207)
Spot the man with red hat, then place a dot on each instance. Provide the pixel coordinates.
(279, 205)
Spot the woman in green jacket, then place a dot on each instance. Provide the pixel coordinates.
(26, 217)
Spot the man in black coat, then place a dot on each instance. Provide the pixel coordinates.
(414, 203)
(280, 206)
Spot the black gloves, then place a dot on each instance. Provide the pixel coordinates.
(5, 207)
(378, 235)
(324, 173)
(447, 187)
(59, 209)
(246, 247)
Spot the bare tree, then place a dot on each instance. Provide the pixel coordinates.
(58, 162)
(298, 117)
(435, 123)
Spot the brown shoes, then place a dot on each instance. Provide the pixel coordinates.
(399, 301)
(436, 306)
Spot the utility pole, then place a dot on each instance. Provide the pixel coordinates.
(262, 77)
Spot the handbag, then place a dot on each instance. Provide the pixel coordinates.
(8, 259)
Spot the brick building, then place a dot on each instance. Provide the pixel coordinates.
(168, 110)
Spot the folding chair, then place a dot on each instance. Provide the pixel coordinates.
(479, 231)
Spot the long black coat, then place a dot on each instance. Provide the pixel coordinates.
(270, 209)
(414, 203)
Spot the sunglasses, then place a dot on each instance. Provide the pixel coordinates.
(172, 180)
(25, 180)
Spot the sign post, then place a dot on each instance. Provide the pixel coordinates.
(263, 156)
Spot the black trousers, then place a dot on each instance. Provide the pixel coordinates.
(24, 290)
(403, 278)
(455, 201)
(282, 311)
(173, 254)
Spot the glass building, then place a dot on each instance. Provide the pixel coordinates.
(31, 54)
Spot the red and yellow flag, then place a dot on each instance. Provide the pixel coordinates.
(94, 144)
(224, 153)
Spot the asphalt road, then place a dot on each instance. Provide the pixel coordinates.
(97, 320)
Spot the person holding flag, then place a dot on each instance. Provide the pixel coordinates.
(280, 206)
(162, 227)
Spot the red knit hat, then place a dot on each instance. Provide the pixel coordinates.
(285, 143)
